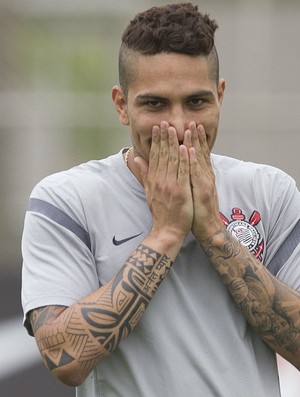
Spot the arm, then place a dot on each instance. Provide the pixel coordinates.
(73, 340)
(270, 306)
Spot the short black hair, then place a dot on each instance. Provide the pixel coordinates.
(178, 28)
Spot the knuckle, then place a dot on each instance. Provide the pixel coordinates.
(173, 159)
(163, 152)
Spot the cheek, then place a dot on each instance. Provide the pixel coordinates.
(142, 125)
(141, 136)
(140, 130)
(211, 123)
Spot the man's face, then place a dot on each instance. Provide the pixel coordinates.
(171, 87)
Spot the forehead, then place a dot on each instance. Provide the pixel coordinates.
(170, 71)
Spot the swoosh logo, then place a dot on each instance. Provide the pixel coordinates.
(119, 242)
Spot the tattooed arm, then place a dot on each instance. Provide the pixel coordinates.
(73, 340)
(270, 306)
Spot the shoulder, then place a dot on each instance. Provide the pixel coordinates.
(268, 189)
(232, 169)
(77, 180)
(74, 191)
(227, 164)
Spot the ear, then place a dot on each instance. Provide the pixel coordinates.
(120, 102)
(221, 90)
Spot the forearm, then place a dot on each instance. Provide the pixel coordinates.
(268, 305)
(73, 340)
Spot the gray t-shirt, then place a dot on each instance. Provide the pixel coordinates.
(81, 226)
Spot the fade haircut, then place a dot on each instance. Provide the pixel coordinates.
(174, 28)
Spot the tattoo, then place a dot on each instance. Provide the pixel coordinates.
(89, 330)
(43, 315)
(129, 296)
(267, 304)
(50, 344)
(228, 250)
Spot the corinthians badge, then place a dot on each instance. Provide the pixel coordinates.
(245, 231)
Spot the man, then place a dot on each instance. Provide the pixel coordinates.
(165, 270)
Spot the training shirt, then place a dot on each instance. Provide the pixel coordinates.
(83, 223)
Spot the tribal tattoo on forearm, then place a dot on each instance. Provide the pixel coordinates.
(91, 329)
(270, 306)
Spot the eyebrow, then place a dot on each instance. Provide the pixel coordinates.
(201, 94)
(155, 97)
(147, 97)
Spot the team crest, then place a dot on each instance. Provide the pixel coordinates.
(245, 231)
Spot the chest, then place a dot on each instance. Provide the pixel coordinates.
(121, 223)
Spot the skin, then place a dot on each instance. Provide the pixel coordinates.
(173, 110)
(174, 88)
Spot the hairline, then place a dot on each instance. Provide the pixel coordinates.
(128, 55)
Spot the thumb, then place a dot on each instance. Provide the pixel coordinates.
(143, 168)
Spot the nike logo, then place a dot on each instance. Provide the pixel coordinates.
(119, 242)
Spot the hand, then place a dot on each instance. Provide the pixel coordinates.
(206, 220)
(166, 180)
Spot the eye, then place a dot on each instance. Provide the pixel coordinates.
(196, 101)
(155, 104)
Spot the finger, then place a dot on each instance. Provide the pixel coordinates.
(200, 144)
(195, 169)
(187, 138)
(184, 167)
(154, 151)
(195, 132)
(204, 145)
(163, 156)
(193, 159)
(202, 138)
(200, 170)
(173, 153)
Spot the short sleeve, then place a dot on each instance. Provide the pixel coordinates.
(283, 259)
(58, 264)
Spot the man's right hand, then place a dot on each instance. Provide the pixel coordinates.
(166, 181)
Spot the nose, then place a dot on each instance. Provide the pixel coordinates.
(179, 121)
